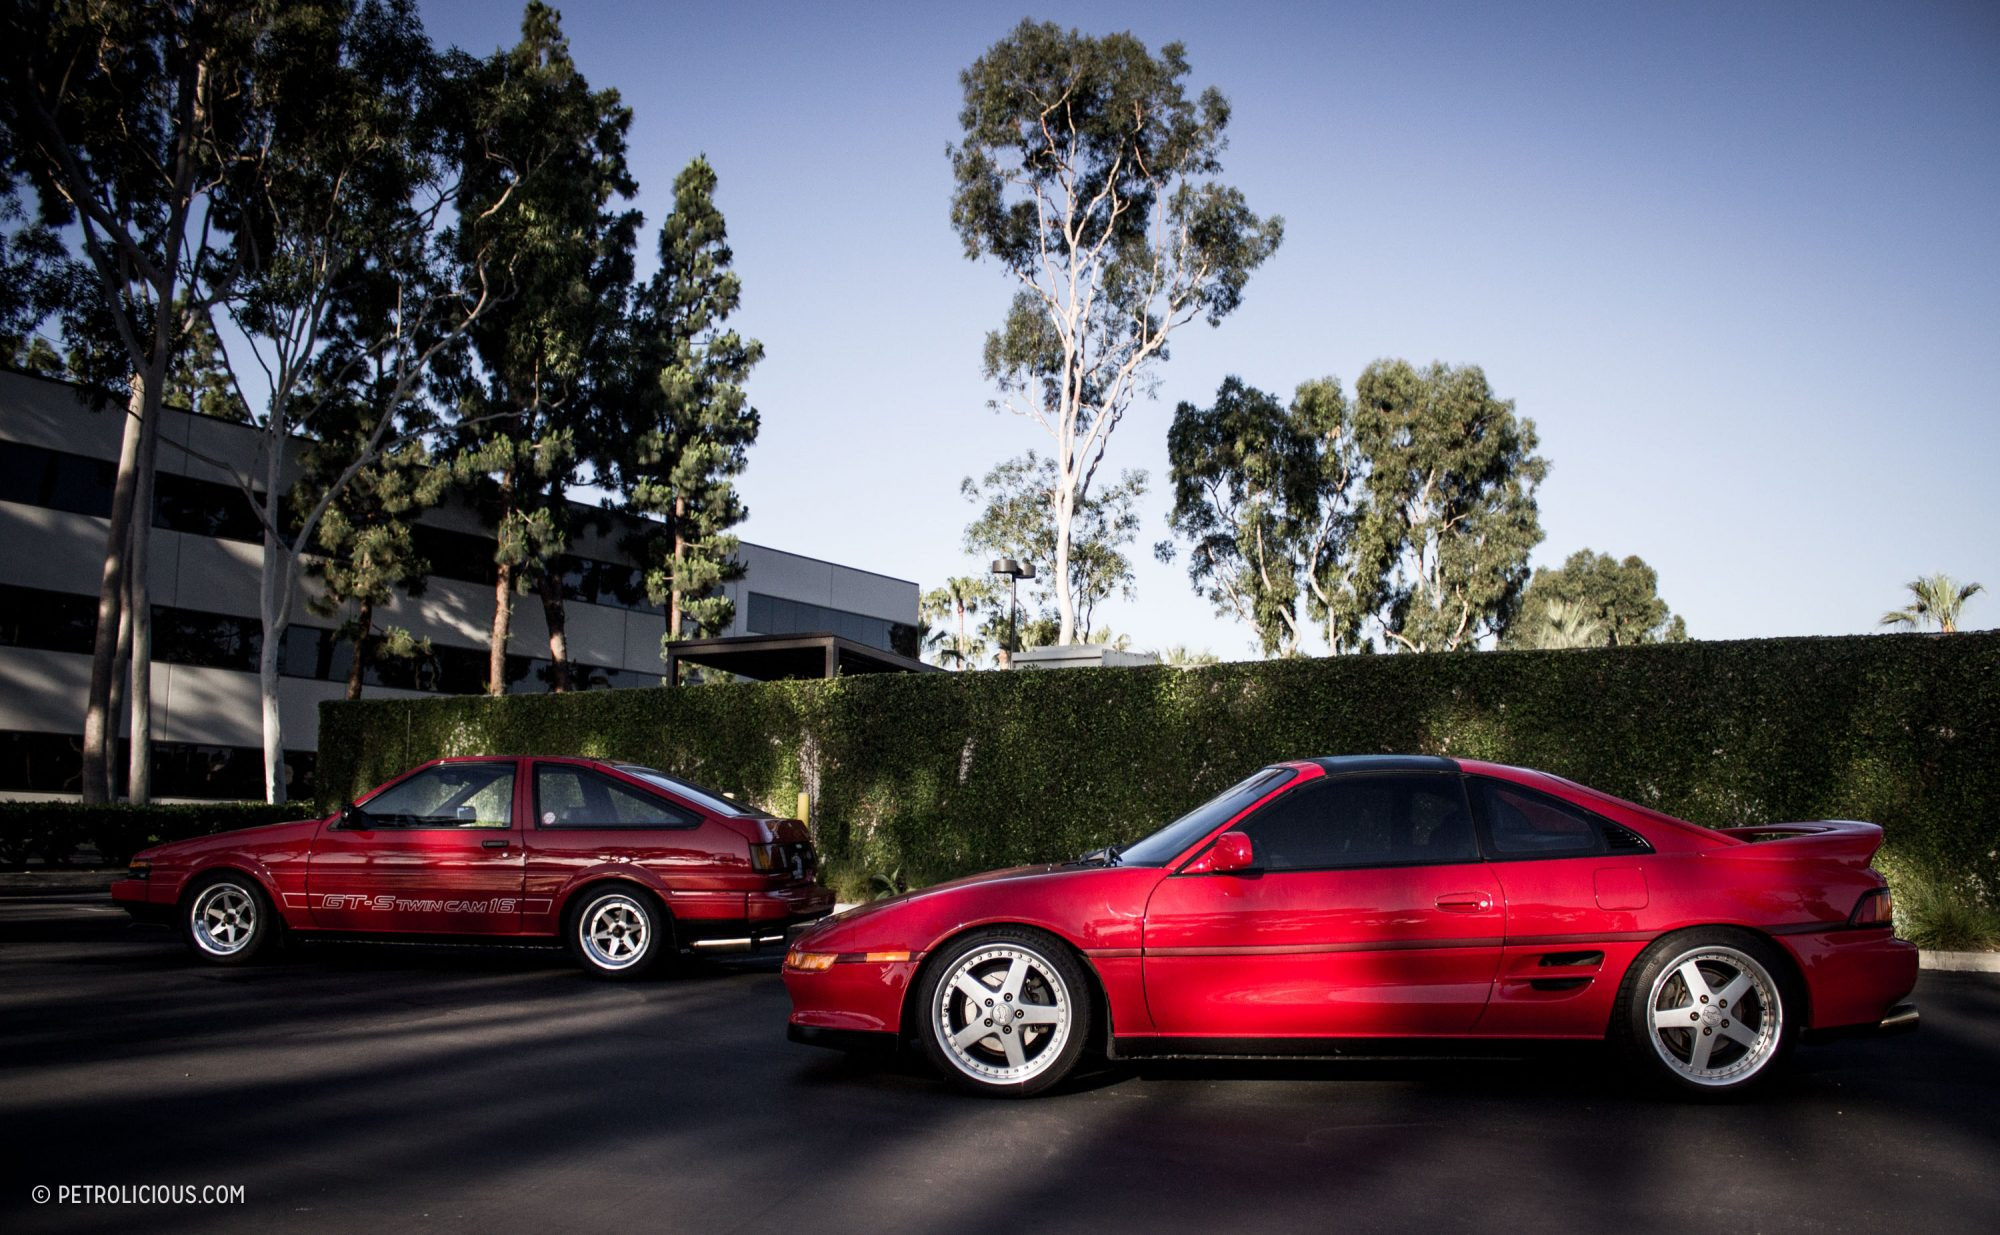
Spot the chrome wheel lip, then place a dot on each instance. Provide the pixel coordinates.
(224, 919)
(615, 931)
(1748, 977)
(1055, 1018)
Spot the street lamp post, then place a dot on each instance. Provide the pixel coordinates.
(1015, 572)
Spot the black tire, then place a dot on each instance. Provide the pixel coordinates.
(1742, 1002)
(225, 919)
(1037, 1030)
(618, 932)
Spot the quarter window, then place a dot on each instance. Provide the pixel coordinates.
(1367, 820)
(573, 797)
(1521, 823)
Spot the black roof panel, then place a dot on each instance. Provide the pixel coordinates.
(1386, 763)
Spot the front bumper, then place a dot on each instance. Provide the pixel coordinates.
(133, 896)
(854, 996)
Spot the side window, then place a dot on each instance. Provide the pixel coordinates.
(1521, 823)
(573, 797)
(450, 795)
(1364, 820)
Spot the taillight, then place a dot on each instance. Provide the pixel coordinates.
(764, 857)
(1875, 908)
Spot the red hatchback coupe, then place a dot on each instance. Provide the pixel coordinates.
(627, 865)
(1330, 903)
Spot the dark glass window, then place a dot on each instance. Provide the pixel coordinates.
(46, 621)
(1521, 823)
(573, 797)
(1367, 820)
(53, 763)
(204, 508)
(775, 615)
(450, 795)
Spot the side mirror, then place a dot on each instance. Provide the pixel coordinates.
(352, 816)
(1230, 852)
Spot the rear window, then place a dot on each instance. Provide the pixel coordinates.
(708, 799)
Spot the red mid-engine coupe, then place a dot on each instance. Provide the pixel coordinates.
(626, 865)
(1328, 905)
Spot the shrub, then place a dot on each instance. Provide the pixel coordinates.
(1940, 910)
(54, 832)
(915, 778)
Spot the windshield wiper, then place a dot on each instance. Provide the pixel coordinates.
(1107, 856)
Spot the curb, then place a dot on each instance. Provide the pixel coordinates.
(1960, 962)
(45, 882)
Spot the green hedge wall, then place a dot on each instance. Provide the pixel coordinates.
(54, 832)
(916, 778)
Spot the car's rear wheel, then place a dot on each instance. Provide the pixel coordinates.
(1005, 1012)
(227, 920)
(1708, 1012)
(619, 933)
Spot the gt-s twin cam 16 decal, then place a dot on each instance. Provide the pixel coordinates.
(386, 903)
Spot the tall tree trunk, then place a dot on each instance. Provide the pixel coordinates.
(357, 665)
(120, 666)
(558, 620)
(275, 612)
(99, 730)
(1065, 602)
(139, 618)
(503, 621)
(674, 587)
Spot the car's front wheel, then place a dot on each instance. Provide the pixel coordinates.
(227, 920)
(618, 933)
(1005, 1012)
(1706, 1012)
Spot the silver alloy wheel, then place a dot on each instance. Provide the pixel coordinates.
(1717, 1017)
(615, 931)
(1002, 1014)
(223, 919)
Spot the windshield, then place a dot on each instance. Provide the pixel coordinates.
(708, 799)
(1161, 847)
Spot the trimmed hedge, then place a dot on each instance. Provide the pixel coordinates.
(916, 778)
(53, 832)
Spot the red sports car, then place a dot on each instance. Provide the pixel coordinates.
(1326, 903)
(625, 864)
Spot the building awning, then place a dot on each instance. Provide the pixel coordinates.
(770, 658)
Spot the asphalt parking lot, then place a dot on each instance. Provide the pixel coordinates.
(387, 1088)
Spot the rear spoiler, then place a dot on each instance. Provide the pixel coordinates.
(1840, 840)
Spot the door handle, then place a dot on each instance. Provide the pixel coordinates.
(1465, 902)
(493, 844)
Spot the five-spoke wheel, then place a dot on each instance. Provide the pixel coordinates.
(227, 921)
(1005, 1011)
(617, 933)
(1706, 1011)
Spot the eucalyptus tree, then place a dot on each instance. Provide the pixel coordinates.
(1441, 552)
(1266, 497)
(1613, 602)
(549, 348)
(1015, 521)
(677, 458)
(345, 278)
(122, 114)
(1089, 174)
(1935, 600)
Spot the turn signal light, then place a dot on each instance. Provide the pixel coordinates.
(809, 961)
(1875, 908)
(139, 870)
(886, 958)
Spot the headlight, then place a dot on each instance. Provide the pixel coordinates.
(139, 870)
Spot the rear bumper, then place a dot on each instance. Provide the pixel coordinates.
(1902, 1018)
(1855, 979)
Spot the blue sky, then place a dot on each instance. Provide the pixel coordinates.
(1738, 263)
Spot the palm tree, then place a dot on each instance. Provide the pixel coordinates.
(1935, 600)
(948, 607)
(1563, 624)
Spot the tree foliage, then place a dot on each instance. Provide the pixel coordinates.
(550, 149)
(1265, 497)
(1593, 599)
(1089, 174)
(1443, 548)
(1015, 522)
(950, 610)
(694, 424)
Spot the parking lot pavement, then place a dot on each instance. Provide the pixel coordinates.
(385, 1088)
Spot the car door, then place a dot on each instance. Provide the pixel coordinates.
(438, 852)
(1366, 912)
